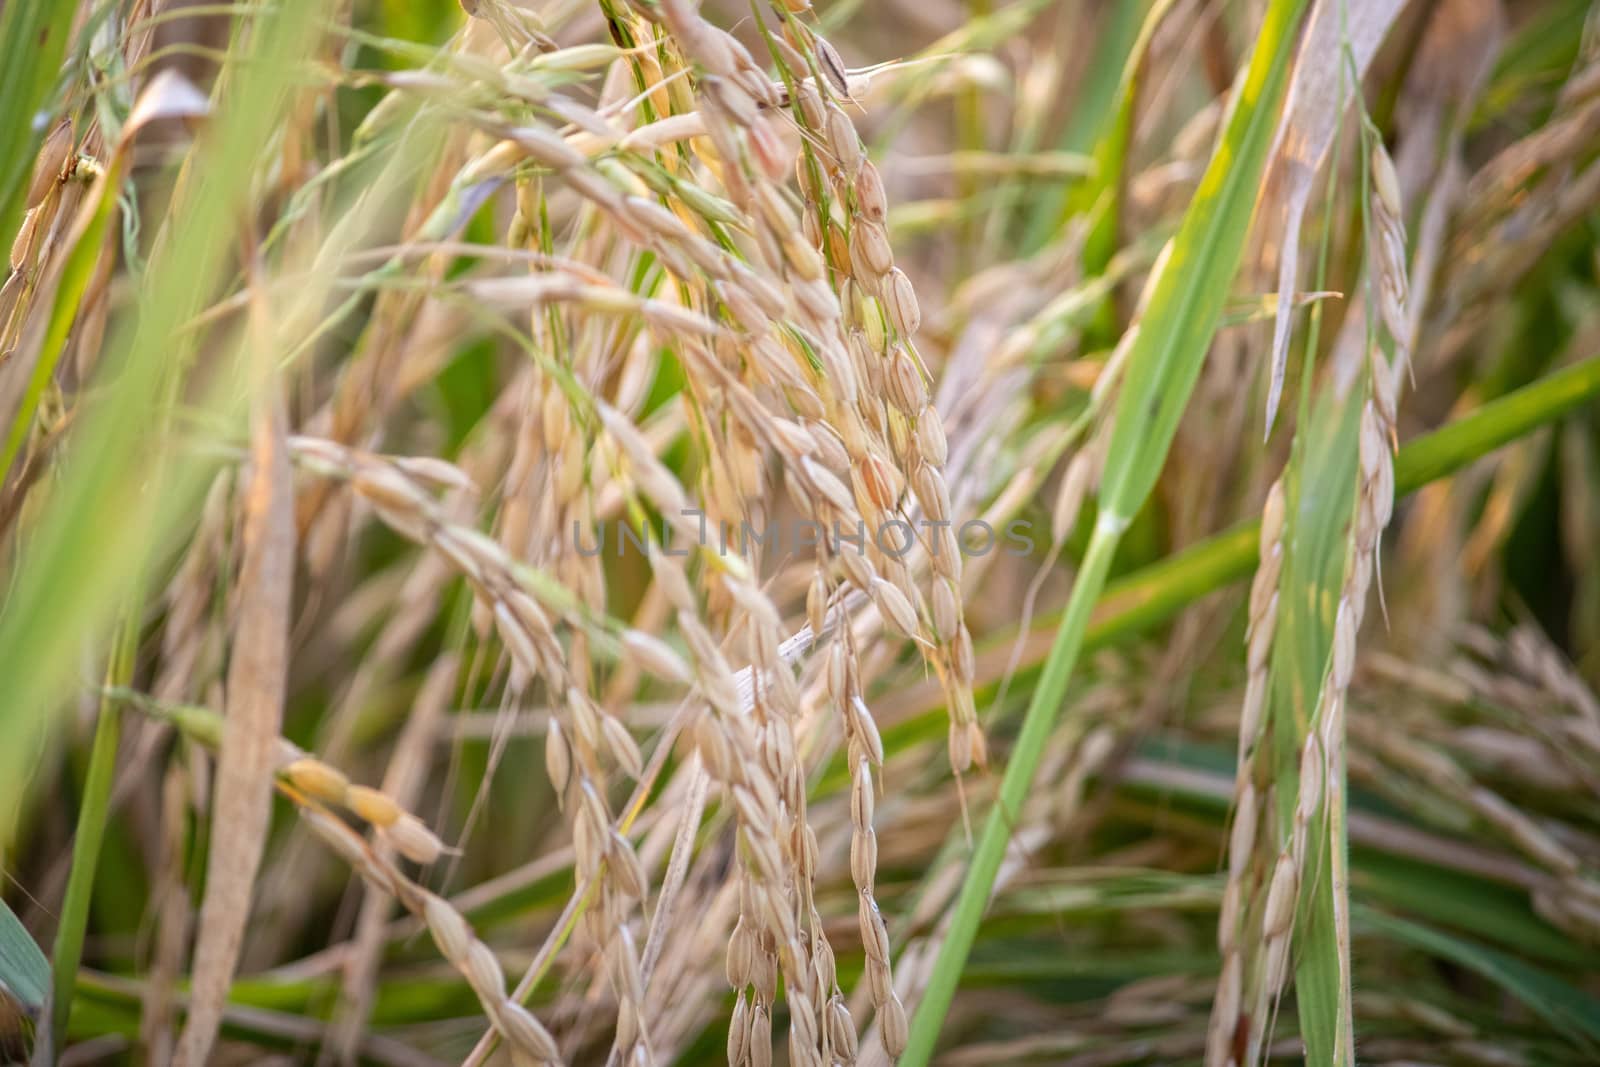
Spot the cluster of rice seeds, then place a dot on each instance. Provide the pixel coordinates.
(1388, 241)
(864, 751)
(1378, 441)
(845, 210)
(763, 941)
(549, 496)
(748, 744)
(864, 397)
(1527, 677)
(816, 454)
(404, 832)
(527, 1038)
(1544, 688)
(1277, 916)
(864, 416)
(1248, 807)
(814, 365)
(735, 113)
(1536, 657)
(575, 747)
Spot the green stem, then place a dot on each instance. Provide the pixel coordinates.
(1003, 815)
(90, 836)
(1498, 422)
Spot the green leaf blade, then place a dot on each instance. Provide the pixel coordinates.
(1176, 330)
(24, 972)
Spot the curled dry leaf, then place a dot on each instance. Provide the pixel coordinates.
(1318, 97)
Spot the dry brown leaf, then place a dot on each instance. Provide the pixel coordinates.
(257, 672)
(1318, 95)
(168, 96)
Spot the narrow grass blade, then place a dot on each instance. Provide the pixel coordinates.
(1564, 1007)
(1098, 102)
(1321, 501)
(87, 842)
(1497, 423)
(1111, 151)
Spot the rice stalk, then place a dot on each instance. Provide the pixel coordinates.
(1177, 324)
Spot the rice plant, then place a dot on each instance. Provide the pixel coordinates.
(659, 532)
